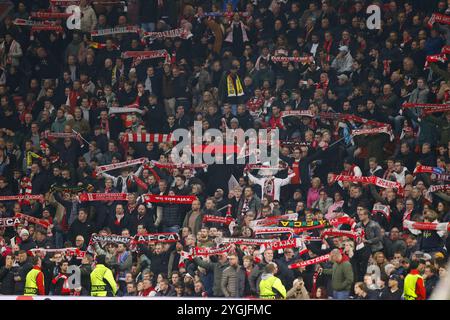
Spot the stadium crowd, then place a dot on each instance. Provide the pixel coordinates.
(358, 207)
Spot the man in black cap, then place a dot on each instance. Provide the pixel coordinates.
(392, 291)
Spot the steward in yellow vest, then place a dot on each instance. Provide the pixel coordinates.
(34, 281)
(270, 286)
(414, 288)
(102, 280)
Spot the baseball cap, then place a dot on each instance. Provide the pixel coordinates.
(395, 277)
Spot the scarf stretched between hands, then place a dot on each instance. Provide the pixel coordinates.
(129, 109)
(87, 197)
(76, 189)
(50, 15)
(175, 33)
(117, 30)
(297, 113)
(428, 169)
(179, 166)
(242, 241)
(217, 219)
(284, 244)
(351, 117)
(413, 225)
(147, 137)
(38, 197)
(439, 18)
(9, 222)
(370, 180)
(154, 198)
(355, 235)
(272, 221)
(302, 60)
(371, 131)
(272, 230)
(231, 89)
(70, 252)
(34, 220)
(435, 188)
(124, 164)
(65, 3)
(309, 262)
(32, 23)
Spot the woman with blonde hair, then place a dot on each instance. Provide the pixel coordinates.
(313, 192)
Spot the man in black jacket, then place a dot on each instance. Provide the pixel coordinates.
(142, 217)
(21, 271)
(80, 227)
(7, 276)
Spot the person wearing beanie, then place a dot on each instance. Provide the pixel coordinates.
(27, 242)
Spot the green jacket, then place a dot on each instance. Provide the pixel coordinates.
(341, 275)
(443, 127)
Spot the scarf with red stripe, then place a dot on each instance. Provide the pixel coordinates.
(41, 222)
(124, 164)
(153, 198)
(302, 60)
(439, 18)
(428, 169)
(25, 189)
(86, 197)
(371, 131)
(370, 180)
(413, 225)
(383, 209)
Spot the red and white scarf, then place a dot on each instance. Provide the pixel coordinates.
(9, 222)
(383, 209)
(179, 166)
(126, 109)
(65, 3)
(428, 169)
(147, 137)
(117, 30)
(87, 197)
(297, 113)
(441, 57)
(154, 198)
(439, 18)
(309, 262)
(68, 252)
(50, 15)
(272, 221)
(355, 235)
(124, 164)
(413, 225)
(34, 220)
(175, 33)
(284, 244)
(302, 60)
(379, 182)
(371, 131)
(217, 219)
(435, 188)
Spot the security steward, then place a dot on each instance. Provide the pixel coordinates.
(34, 281)
(270, 286)
(103, 283)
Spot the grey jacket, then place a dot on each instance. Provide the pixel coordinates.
(233, 282)
(218, 269)
(373, 235)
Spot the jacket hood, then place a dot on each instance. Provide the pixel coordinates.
(266, 276)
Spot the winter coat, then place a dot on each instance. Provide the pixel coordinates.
(218, 269)
(233, 282)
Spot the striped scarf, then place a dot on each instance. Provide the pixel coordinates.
(233, 90)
